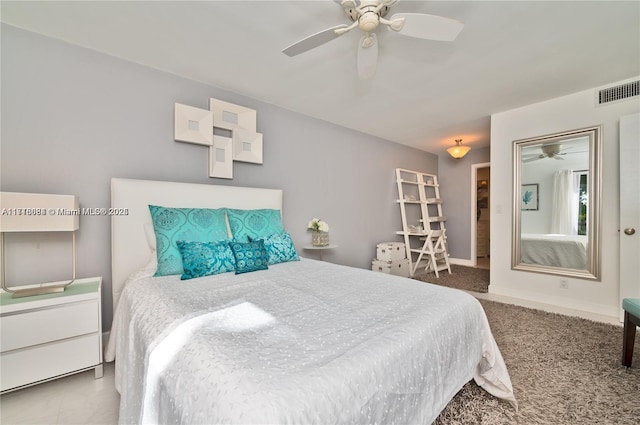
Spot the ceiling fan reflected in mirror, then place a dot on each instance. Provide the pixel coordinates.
(369, 16)
(552, 151)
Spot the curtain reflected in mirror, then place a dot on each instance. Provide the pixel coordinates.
(556, 204)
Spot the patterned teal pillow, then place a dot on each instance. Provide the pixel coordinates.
(250, 256)
(280, 248)
(205, 258)
(185, 224)
(254, 224)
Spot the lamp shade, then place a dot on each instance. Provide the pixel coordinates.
(458, 151)
(35, 212)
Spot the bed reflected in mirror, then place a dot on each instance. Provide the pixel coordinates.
(556, 204)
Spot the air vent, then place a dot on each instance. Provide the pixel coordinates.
(619, 92)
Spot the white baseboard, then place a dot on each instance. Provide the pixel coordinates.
(554, 304)
(461, 262)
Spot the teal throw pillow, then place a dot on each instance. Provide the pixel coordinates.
(250, 256)
(280, 248)
(205, 258)
(254, 224)
(184, 224)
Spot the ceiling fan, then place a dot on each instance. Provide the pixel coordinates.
(553, 151)
(369, 16)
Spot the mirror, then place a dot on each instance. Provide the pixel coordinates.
(556, 204)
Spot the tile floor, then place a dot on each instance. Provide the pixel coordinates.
(483, 263)
(75, 399)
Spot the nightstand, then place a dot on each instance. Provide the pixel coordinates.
(49, 336)
(320, 249)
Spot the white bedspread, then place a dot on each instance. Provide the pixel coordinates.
(568, 251)
(302, 342)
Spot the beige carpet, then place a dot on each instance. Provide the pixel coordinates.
(461, 277)
(564, 370)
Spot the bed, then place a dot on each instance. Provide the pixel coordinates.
(566, 251)
(302, 342)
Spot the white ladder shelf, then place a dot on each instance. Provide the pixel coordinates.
(425, 241)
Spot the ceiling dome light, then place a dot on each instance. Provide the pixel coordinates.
(458, 151)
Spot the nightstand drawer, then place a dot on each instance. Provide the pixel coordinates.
(50, 335)
(22, 367)
(48, 324)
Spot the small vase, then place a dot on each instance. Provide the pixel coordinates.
(319, 238)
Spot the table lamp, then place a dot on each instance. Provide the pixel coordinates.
(34, 212)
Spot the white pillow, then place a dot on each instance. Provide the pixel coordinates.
(150, 233)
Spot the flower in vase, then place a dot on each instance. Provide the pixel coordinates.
(318, 225)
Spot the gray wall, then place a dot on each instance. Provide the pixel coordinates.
(454, 176)
(73, 118)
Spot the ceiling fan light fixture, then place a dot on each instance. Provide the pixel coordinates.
(369, 21)
(458, 151)
(551, 150)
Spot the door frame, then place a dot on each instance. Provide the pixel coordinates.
(629, 151)
(474, 209)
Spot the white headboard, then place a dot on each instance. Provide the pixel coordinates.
(129, 248)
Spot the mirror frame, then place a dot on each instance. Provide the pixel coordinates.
(592, 272)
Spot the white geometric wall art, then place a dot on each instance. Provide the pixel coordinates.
(247, 146)
(229, 116)
(193, 125)
(228, 130)
(221, 158)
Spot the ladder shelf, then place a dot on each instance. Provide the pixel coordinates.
(425, 242)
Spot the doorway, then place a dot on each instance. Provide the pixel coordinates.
(480, 217)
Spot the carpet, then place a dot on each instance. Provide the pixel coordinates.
(461, 277)
(564, 370)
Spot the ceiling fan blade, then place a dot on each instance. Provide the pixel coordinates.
(367, 56)
(535, 158)
(429, 27)
(313, 41)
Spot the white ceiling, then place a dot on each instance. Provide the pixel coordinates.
(425, 94)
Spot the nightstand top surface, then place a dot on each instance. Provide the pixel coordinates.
(79, 287)
(330, 246)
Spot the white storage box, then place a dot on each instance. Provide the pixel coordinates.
(390, 251)
(396, 267)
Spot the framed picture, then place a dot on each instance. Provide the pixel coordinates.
(229, 116)
(221, 158)
(193, 125)
(247, 146)
(529, 197)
